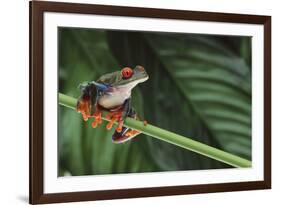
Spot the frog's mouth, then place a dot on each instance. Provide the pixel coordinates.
(133, 83)
(139, 72)
(141, 80)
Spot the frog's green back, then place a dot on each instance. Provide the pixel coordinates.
(109, 78)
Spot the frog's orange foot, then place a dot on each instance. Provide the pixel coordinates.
(83, 108)
(98, 119)
(120, 126)
(114, 117)
(110, 124)
(109, 115)
(94, 124)
(131, 133)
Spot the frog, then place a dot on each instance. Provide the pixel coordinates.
(112, 93)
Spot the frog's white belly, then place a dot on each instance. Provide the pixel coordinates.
(113, 99)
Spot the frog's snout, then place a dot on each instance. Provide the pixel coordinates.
(140, 68)
(141, 71)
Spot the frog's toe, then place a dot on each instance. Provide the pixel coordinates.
(99, 120)
(109, 115)
(120, 126)
(83, 108)
(131, 133)
(110, 124)
(118, 129)
(94, 124)
(128, 134)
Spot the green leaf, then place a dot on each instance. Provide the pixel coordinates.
(216, 85)
(198, 87)
(84, 56)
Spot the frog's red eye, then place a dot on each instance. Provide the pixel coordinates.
(127, 72)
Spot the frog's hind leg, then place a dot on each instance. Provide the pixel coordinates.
(119, 137)
(125, 134)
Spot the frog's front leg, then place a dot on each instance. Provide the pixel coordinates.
(83, 107)
(113, 117)
(126, 133)
(119, 116)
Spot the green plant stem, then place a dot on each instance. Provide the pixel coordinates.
(172, 138)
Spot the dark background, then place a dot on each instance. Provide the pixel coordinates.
(199, 87)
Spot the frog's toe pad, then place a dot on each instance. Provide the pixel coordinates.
(83, 108)
(110, 124)
(125, 135)
(94, 124)
(120, 127)
(119, 137)
(99, 120)
(131, 133)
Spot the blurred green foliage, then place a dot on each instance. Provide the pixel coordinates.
(199, 86)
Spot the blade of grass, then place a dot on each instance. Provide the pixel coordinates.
(172, 138)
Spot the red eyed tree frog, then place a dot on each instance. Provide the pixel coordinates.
(112, 93)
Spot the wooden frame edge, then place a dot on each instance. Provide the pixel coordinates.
(36, 10)
(36, 102)
(267, 102)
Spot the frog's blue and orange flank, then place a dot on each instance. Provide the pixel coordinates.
(112, 93)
